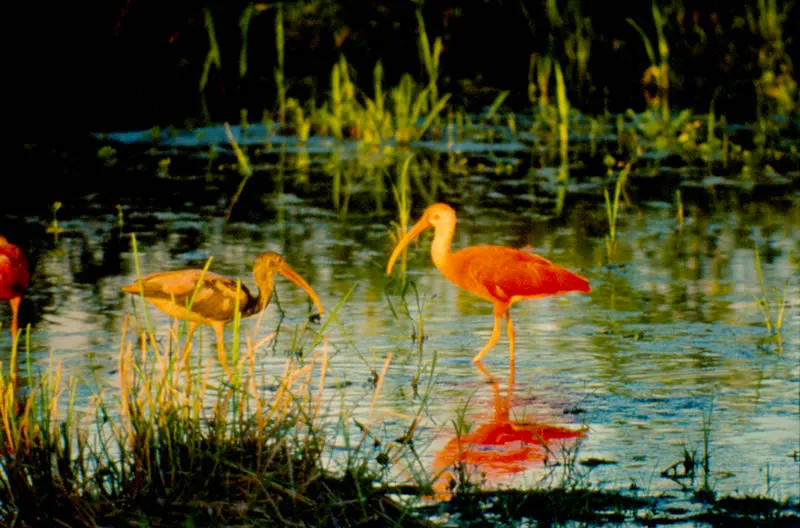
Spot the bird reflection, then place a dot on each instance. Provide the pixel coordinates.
(496, 445)
(86, 269)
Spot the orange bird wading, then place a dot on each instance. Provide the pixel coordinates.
(14, 278)
(499, 274)
(215, 302)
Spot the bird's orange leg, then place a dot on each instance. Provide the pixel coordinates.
(14, 301)
(185, 357)
(188, 345)
(510, 331)
(499, 311)
(223, 359)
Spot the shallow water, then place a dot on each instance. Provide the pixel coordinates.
(669, 342)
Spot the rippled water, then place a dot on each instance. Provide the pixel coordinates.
(669, 342)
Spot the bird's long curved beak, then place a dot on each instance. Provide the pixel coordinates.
(418, 228)
(293, 276)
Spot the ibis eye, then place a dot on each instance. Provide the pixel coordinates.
(435, 217)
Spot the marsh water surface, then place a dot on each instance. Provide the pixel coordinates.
(670, 347)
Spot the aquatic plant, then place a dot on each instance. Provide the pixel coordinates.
(429, 57)
(54, 228)
(612, 209)
(578, 45)
(136, 452)
(402, 196)
(658, 72)
(409, 102)
(776, 88)
(243, 166)
(213, 57)
(280, 80)
(539, 70)
(772, 303)
(338, 113)
(563, 116)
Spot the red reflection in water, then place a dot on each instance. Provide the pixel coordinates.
(498, 447)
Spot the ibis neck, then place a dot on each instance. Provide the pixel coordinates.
(440, 248)
(259, 302)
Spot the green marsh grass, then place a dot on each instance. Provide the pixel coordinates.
(578, 45)
(280, 77)
(563, 113)
(776, 88)
(680, 210)
(213, 57)
(612, 210)
(54, 228)
(496, 104)
(539, 71)
(170, 444)
(772, 302)
(244, 29)
(409, 103)
(658, 72)
(706, 489)
(402, 196)
(243, 166)
(301, 122)
(338, 114)
(429, 57)
(562, 105)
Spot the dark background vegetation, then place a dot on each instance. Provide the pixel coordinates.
(102, 65)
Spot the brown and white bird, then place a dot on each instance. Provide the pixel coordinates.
(211, 299)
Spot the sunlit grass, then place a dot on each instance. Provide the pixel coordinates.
(171, 442)
(772, 302)
(612, 211)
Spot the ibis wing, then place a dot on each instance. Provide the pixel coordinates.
(5, 267)
(506, 273)
(14, 268)
(14, 275)
(215, 297)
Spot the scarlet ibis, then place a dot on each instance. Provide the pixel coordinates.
(215, 296)
(499, 274)
(14, 279)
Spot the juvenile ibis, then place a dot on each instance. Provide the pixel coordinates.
(215, 302)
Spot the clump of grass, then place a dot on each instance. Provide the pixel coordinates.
(409, 112)
(612, 209)
(402, 196)
(776, 88)
(213, 56)
(430, 56)
(173, 446)
(280, 79)
(54, 228)
(539, 70)
(658, 72)
(243, 166)
(771, 303)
